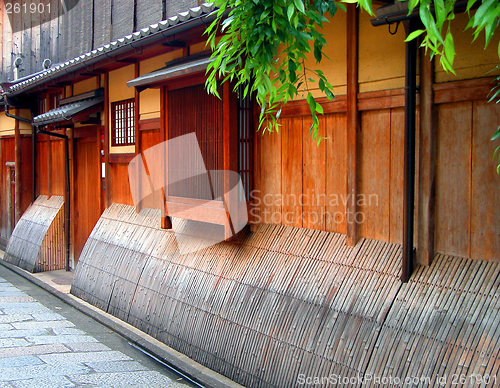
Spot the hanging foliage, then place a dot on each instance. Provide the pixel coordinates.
(265, 42)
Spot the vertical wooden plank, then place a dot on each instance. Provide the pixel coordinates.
(230, 155)
(485, 195)
(373, 198)
(72, 195)
(453, 179)
(49, 154)
(352, 121)
(35, 55)
(107, 141)
(271, 177)
(26, 45)
(291, 174)
(18, 161)
(256, 194)
(7, 46)
(54, 31)
(427, 163)
(166, 221)
(336, 172)
(396, 178)
(314, 182)
(138, 145)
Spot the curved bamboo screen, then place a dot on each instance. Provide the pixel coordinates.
(287, 303)
(37, 242)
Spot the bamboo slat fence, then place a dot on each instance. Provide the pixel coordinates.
(287, 303)
(37, 242)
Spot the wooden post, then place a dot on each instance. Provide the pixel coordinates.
(138, 146)
(230, 157)
(352, 122)
(49, 152)
(107, 180)
(72, 187)
(166, 221)
(427, 162)
(17, 160)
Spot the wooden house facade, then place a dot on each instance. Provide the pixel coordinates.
(312, 286)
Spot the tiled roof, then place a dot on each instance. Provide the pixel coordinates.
(170, 72)
(66, 112)
(108, 49)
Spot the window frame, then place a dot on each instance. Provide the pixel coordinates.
(123, 137)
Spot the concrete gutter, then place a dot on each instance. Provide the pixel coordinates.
(178, 361)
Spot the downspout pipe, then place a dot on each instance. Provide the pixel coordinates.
(8, 114)
(68, 198)
(409, 151)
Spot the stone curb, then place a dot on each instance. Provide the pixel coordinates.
(195, 371)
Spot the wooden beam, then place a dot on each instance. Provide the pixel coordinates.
(352, 122)
(427, 162)
(107, 180)
(17, 160)
(48, 107)
(150, 124)
(166, 221)
(230, 157)
(138, 146)
(72, 174)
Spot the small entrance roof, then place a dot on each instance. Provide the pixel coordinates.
(72, 108)
(170, 72)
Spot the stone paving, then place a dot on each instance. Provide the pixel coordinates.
(41, 348)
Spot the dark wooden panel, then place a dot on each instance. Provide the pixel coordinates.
(336, 172)
(26, 173)
(87, 191)
(485, 194)
(271, 178)
(453, 178)
(291, 171)
(149, 138)
(7, 194)
(204, 118)
(374, 175)
(314, 176)
(120, 187)
(396, 176)
(42, 169)
(58, 167)
(148, 12)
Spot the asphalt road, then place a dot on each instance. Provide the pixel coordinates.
(47, 343)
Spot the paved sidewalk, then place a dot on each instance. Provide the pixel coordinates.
(42, 346)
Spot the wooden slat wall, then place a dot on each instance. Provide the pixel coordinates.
(120, 187)
(204, 117)
(58, 170)
(26, 175)
(289, 164)
(6, 155)
(467, 187)
(287, 301)
(51, 176)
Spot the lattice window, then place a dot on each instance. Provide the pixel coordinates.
(123, 123)
(245, 140)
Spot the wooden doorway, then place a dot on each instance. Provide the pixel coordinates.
(87, 190)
